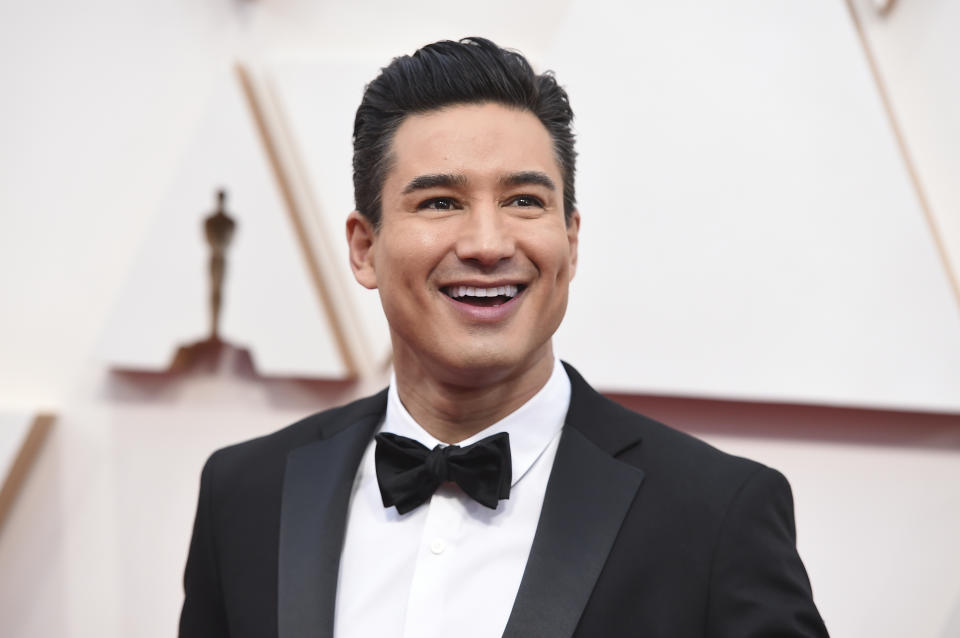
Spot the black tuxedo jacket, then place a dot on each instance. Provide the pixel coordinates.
(644, 531)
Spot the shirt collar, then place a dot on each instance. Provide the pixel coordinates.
(531, 427)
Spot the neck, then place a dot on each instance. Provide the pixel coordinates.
(454, 407)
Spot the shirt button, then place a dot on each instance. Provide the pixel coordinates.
(437, 546)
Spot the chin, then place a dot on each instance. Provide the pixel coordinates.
(483, 366)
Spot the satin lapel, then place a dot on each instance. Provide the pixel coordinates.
(316, 492)
(587, 498)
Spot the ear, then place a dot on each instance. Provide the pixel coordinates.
(573, 238)
(360, 238)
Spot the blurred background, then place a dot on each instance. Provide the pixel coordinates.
(770, 257)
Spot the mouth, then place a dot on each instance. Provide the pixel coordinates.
(484, 296)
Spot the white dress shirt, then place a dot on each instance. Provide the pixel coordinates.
(451, 566)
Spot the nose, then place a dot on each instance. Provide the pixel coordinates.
(485, 236)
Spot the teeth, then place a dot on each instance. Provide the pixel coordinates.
(509, 290)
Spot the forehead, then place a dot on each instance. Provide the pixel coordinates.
(476, 140)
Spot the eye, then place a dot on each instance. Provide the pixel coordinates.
(525, 201)
(439, 203)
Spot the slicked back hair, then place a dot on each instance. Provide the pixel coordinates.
(446, 73)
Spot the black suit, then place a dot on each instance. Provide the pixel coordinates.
(645, 531)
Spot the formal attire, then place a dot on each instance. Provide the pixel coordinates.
(414, 575)
(642, 531)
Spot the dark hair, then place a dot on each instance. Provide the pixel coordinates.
(471, 71)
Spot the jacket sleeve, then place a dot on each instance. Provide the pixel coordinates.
(758, 585)
(203, 614)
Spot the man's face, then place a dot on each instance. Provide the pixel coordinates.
(473, 257)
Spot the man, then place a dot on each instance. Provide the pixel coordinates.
(501, 495)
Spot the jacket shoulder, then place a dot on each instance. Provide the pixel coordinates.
(715, 532)
(666, 448)
(680, 464)
(263, 458)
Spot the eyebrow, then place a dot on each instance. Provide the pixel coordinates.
(528, 177)
(450, 180)
(436, 180)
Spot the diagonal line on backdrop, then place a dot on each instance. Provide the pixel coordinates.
(10, 485)
(932, 224)
(301, 205)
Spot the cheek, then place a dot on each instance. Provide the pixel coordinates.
(550, 252)
(410, 255)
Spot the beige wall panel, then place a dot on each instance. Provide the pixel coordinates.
(749, 229)
(271, 306)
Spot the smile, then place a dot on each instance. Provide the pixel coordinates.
(479, 296)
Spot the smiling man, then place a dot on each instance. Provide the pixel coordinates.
(472, 254)
(489, 490)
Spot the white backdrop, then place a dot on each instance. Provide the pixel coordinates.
(749, 228)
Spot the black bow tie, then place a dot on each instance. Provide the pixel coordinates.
(409, 473)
